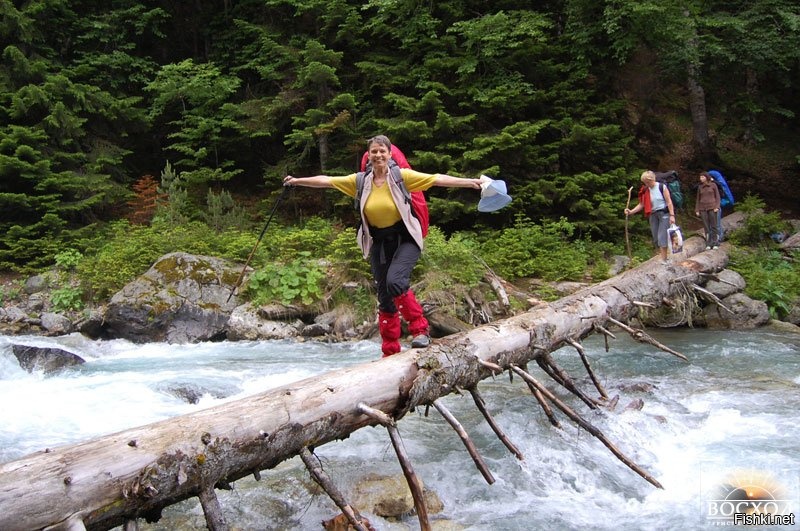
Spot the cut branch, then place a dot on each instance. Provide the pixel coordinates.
(323, 480)
(716, 300)
(642, 337)
(547, 364)
(585, 361)
(585, 425)
(414, 484)
(212, 510)
(462, 433)
(481, 405)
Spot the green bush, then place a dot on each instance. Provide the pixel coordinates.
(300, 280)
(769, 277)
(285, 243)
(65, 299)
(128, 252)
(347, 261)
(544, 251)
(68, 259)
(453, 261)
(758, 225)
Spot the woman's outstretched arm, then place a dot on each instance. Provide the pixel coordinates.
(318, 181)
(456, 182)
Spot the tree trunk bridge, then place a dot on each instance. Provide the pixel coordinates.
(116, 479)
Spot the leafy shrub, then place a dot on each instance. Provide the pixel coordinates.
(286, 243)
(68, 259)
(530, 250)
(298, 280)
(453, 261)
(9, 293)
(222, 212)
(65, 299)
(346, 258)
(758, 225)
(128, 252)
(770, 278)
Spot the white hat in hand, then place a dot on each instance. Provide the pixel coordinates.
(494, 195)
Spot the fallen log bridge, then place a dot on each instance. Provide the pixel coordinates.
(116, 479)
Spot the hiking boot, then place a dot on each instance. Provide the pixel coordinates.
(715, 247)
(421, 341)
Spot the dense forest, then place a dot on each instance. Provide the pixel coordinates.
(192, 112)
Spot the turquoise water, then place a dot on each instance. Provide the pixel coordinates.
(731, 412)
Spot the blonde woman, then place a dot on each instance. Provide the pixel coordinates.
(656, 203)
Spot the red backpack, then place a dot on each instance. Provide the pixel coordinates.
(419, 206)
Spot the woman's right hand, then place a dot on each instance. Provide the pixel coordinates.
(289, 180)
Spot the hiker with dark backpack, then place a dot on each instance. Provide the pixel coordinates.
(390, 235)
(656, 204)
(707, 208)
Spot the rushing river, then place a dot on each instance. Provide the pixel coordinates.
(727, 418)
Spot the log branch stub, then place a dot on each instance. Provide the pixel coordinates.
(481, 405)
(470, 446)
(413, 481)
(405, 463)
(586, 426)
(545, 361)
(585, 360)
(642, 337)
(212, 510)
(716, 300)
(495, 368)
(323, 480)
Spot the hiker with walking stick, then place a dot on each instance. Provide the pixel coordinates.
(656, 203)
(390, 236)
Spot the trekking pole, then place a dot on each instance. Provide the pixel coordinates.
(627, 239)
(274, 208)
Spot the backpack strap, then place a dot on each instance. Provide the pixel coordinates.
(360, 176)
(397, 175)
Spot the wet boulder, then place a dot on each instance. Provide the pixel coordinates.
(740, 312)
(45, 359)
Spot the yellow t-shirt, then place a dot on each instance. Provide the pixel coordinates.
(380, 210)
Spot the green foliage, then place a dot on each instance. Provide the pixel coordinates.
(346, 258)
(129, 250)
(223, 212)
(544, 251)
(758, 225)
(297, 281)
(769, 277)
(450, 261)
(547, 96)
(192, 99)
(68, 259)
(172, 204)
(9, 293)
(284, 243)
(66, 299)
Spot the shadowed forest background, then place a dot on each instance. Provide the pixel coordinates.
(131, 129)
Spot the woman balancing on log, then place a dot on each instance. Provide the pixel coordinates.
(390, 235)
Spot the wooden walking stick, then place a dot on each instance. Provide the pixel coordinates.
(627, 239)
